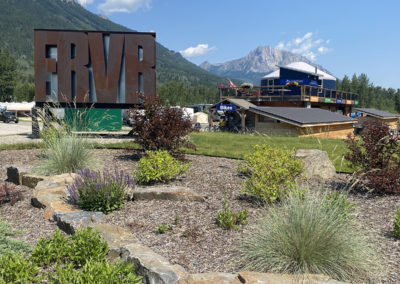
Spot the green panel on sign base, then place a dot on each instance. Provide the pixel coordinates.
(356, 102)
(93, 119)
(328, 100)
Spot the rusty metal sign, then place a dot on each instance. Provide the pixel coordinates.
(102, 68)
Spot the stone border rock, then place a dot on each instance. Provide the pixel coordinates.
(50, 194)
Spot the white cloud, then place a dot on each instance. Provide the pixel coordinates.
(85, 2)
(307, 45)
(198, 50)
(123, 6)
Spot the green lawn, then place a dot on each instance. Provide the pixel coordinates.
(230, 145)
(237, 145)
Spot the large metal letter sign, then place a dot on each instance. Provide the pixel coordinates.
(109, 69)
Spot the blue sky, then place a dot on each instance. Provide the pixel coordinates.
(345, 37)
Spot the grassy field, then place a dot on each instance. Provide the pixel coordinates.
(237, 145)
(230, 145)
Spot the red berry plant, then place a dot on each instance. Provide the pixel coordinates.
(159, 127)
(376, 157)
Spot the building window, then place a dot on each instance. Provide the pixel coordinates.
(140, 53)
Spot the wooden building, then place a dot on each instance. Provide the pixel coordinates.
(285, 121)
(296, 85)
(371, 114)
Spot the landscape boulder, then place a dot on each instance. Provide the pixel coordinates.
(317, 164)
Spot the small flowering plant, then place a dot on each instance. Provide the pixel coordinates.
(103, 191)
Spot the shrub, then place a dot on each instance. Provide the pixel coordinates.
(376, 156)
(68, 154)
(271, 172)
(15, 268)
(97, 272)
(8, 193)
(306, 235)
(396, 225)
(8, 244)
(100, 191)
(159, 166)
(81, 247)
(339, 201)
(54, 250)
(160, 127)
(230, 220)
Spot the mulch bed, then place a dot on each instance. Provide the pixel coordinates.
(195, 242)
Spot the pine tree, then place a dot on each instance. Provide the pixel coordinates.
(8, 76)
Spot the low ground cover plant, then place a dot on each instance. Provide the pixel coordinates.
(80, 258)
(270, 172)
(103, 191)
(307, 235)
(231, 220)
(376, 157)
(159, 166)
(9, 244)
(396, 224)
(160, 127)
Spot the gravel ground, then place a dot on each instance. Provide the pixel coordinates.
(194, 241)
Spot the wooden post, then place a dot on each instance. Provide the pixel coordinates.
(35, 123)
(242, 114)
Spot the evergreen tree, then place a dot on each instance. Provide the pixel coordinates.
(8, 76)
(346, 85)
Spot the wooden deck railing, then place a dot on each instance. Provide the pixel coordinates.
(292, 93)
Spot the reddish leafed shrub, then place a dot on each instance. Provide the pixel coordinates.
(376, 157)
(160, 127)
(8, 193)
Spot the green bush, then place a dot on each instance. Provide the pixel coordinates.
(396, 225)
(159, 166)
(100, 191)
(307, 235)
(68, 154)
(77, 249)
(340, 201)
(10, 244)
(271, 172)
(97, 273)
(15, 268)
(230, 220)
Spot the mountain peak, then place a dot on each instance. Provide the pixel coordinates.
(259, 62)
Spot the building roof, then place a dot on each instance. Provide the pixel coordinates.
(302, 67)
(303, 116)
(377, 113)
(243, 104)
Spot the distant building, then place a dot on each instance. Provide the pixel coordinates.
(371, 114)
(285, 121)
(297, 84)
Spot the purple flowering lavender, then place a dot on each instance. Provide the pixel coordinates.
(100, 190)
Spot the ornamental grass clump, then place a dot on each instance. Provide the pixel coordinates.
(103, 191)
(66, 154)
(159, 166)
(310, 234)
(270, 172)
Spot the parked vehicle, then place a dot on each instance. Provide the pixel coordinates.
(8, 116)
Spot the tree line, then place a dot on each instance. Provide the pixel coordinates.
(18, 85)
(371, 96)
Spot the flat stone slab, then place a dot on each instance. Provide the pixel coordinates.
(175, 193)
(72, 221)
(31, 180)
(211, 278)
